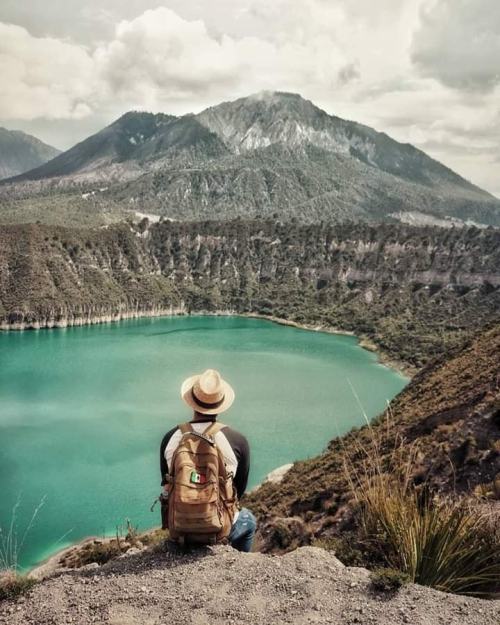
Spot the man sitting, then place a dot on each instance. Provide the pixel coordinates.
(204, 467)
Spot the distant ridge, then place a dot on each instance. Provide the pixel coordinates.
(268, 153)
(20, 152)
(136, 136)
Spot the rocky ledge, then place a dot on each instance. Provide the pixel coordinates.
(221, 586)
(86, 318)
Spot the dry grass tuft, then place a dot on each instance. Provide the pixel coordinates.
(12, 584)
(451, 545)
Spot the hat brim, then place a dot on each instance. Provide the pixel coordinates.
(190, 400)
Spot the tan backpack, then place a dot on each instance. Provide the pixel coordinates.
(201, 498)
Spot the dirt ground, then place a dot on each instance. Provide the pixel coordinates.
(219, 586)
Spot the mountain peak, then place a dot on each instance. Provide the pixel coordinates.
(134, 117)
(275, 96)
(263, 119)
(20, 152)
(269, 151)
(271, 101)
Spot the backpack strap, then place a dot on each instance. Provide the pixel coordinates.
(213, 428)
(210, 432)
(185, 428)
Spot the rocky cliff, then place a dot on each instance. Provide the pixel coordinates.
(414, 291)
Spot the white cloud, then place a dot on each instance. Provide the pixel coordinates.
(43, 77)
(159, 57)
(459, 43)
(156, 59)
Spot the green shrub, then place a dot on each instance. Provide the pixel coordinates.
(345, 547)
(388, 580)
(13, 584)
(155, 537)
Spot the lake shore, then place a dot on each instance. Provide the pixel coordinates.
(71, 321)
(52, 564)
(365, 341)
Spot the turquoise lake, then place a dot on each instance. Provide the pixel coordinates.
(83, 411)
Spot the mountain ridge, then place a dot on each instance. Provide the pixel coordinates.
(315, 116)
(115, 142)
(266, 153)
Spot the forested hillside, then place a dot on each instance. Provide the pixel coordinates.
(415, 292)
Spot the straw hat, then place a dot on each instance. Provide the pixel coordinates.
(207, 393)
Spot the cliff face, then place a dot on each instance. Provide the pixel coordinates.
(414, 291)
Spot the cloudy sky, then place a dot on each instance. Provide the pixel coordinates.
(424, 71)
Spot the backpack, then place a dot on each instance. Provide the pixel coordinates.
(202, 500)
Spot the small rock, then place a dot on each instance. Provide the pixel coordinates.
(132, 551)
(90, 567)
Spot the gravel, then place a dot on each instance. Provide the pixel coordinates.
(219, 586)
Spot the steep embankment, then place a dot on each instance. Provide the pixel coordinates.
(447, 419)
(221, 586)
(415, 292)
